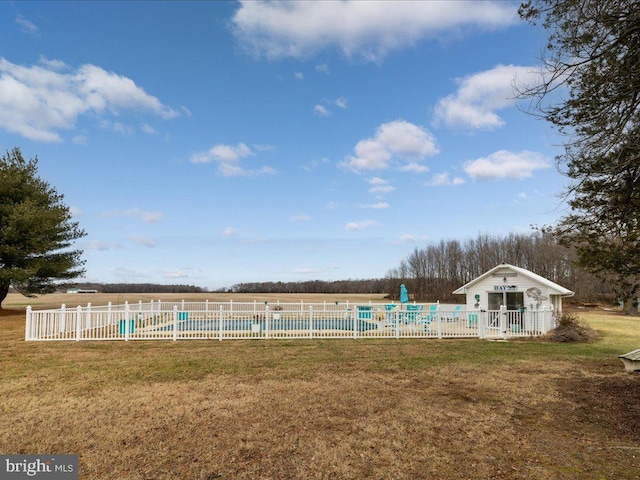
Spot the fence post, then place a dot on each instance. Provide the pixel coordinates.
(109, 313)
(220, 323)
(175, 322)
(27, 328)
(503, 321)
(78, 322)
(126, 321)
(541, 323)
(206, 305)
(88, 324)
(266, 321)
(355, 320)
(438, 320)
(482, 321)
(63, 318)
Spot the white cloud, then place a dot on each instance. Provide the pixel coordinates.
(409, 238)
(148, 129)
(357, 226)
(299, 218)
(117, 127)
(377, 206)
(382, 189)
(265, 148)
(52, 63)
(229, 232)
(321, 111)
(505, 164)
(227, 153)
(414, 167)
(443, 179)
(323, 68)
(178, 273)
(399, 142)
(27, 26)
(144, 241)
(298, 75)
(107, 90)
(100, 246)
(380, 185)
(342, 102)
(228, 157)
(147, 217)
(40, 100)
(377, 181)
(313, 164)
(479, 96)
(80, 140)
(364, 30)
(75, 211)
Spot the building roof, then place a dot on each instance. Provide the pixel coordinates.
(557, 289)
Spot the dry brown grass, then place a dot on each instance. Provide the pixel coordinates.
(332, 409)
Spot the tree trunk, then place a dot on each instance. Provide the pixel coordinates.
(630, 306)
(4, 289)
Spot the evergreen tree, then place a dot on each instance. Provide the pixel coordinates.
(593, 55)
(36, 230)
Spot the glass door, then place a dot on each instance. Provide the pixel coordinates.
(495, 300)
(514, 300)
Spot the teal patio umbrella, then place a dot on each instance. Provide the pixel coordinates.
(404, 295)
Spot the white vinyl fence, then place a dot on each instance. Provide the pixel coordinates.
(158, 320)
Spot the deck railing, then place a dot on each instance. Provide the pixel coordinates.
(161, 320)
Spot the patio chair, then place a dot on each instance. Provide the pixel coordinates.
(454, 314)
(412, 313)
(425, 319)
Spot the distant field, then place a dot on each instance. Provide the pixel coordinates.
(15, 300)
(324, 409)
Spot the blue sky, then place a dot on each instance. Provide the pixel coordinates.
(213, 143)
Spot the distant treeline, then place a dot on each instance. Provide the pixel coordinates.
(139, 288)
(433, 272)
(375, 285)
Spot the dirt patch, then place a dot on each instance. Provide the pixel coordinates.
(596, 400)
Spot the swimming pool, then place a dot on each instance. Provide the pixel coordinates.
(295, 324)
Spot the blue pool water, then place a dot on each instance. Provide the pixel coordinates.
(239, 325)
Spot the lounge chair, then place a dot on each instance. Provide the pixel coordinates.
(454, 314)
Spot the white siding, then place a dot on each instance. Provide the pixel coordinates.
(521, 282)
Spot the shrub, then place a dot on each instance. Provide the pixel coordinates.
(572, 329)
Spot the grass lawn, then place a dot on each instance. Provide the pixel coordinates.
(326, 409)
